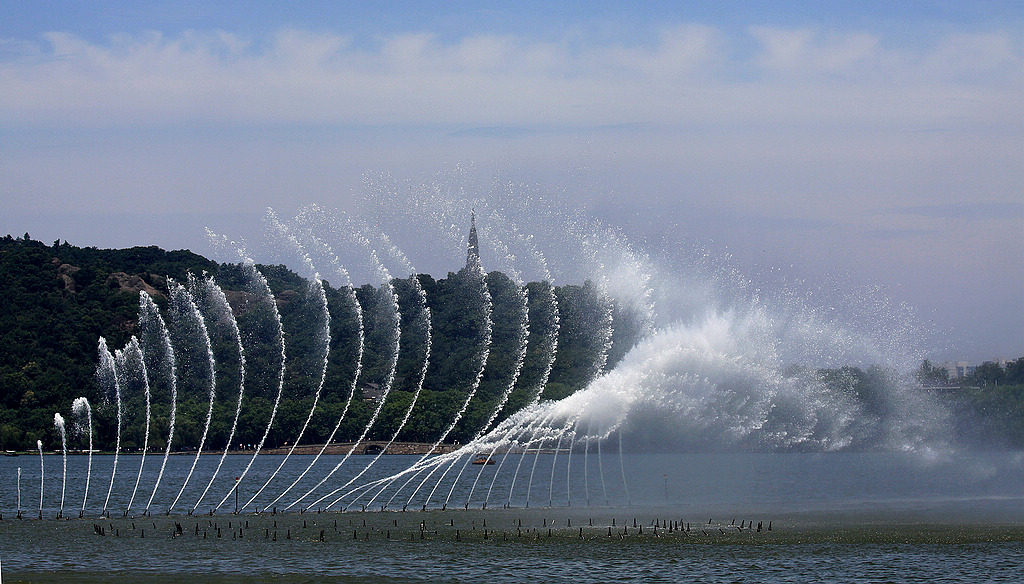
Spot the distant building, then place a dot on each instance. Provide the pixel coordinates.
(473, 246)
(372, 392)
(958, 369)
(961, 369)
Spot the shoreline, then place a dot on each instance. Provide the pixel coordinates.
(337, 448)
(372, 447)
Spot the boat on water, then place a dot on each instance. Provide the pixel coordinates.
(483, 460)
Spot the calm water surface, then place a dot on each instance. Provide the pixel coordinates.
(835, 517)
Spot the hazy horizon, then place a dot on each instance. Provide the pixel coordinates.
(867, 143)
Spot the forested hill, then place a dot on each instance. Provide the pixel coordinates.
(59, 299)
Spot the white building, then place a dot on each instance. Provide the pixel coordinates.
(961, 369)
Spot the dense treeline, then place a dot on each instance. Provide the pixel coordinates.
(988, 402)
(988, 374)
(982, 415)
(57, 301)
(60, 299)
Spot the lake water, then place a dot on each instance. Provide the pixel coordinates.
(833, 516)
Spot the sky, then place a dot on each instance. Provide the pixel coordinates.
(880, 142)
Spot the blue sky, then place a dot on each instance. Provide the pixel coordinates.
(880, 141)
(452, 20)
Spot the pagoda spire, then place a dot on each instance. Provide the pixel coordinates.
(473, 249)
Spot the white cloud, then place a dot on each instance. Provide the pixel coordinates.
(975, 54)
(804, 52)
(796, 125)
(681, 50)
(685, 76)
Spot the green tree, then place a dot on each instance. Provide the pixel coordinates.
(931, 376)
(988, 373)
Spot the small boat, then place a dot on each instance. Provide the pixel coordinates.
(483, 460)
(10, 453)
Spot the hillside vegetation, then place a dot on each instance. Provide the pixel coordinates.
(58, 300)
